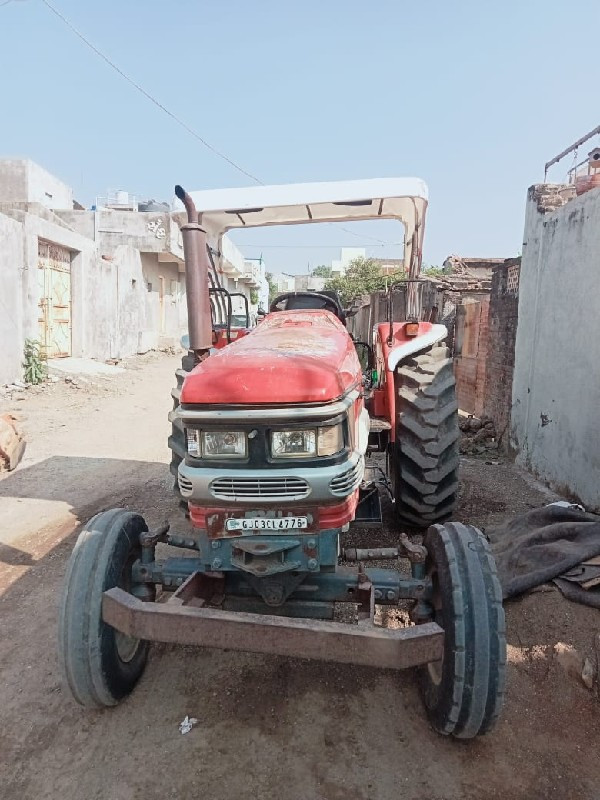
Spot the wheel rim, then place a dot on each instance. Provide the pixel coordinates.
(436, 668)
(127, 646)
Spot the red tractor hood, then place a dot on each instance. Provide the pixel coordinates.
(290, 357)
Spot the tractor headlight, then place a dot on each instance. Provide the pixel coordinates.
(330, 440)
(226, 444)
(221, 444)
(326, 441)
(294, 443)
(193, 442)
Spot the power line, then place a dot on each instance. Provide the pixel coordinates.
(365, 236)
(169, 113)
(311, 246)
(147, 94)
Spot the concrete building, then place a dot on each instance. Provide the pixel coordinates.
(309, 283)
(390, 266)
(24, 180)
(256, 270)
(298, 283)
(556, 382)
(284, 282)
(347, 254)
(138, 283)
(103, 283)
(471, 270)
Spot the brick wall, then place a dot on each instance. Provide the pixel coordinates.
(470, 352)
(503, 315)
(484, 347)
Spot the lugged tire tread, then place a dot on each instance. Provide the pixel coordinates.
(79, 644)
(478, 676)
(426, 449)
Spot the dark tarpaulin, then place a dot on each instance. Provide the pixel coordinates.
(541, 546)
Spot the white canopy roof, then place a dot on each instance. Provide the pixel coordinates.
(404, 199)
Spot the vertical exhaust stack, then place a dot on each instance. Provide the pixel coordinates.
(196, 279)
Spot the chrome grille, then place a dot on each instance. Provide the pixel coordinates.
(185, 484)
(344, 484)
(259, 488)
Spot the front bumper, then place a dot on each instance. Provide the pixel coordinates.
(271, 486)
(184, 621)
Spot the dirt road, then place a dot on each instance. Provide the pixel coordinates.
(269, 727)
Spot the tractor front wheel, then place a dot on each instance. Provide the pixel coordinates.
(100, 665)
(464, 691)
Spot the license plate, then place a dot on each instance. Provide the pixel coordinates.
(266, 524)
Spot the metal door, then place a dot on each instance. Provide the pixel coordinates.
(54, 278)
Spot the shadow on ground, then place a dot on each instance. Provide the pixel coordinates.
(268, 727)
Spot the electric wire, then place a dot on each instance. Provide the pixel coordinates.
(173, 116)
(147, 95)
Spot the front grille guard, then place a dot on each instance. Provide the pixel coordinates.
(347, 482)
(250, 489)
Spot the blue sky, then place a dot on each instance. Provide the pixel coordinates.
(471, 96)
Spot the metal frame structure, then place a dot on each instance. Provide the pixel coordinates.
(222, 610)
(403, 199)
(184, 619)
(572, 148)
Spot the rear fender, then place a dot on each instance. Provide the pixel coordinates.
(391, 355)
(408, 347)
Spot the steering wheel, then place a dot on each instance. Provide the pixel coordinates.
(327, 303)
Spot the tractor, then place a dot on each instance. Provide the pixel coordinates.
(281, 439)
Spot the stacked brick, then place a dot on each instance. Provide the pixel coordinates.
(502, 331)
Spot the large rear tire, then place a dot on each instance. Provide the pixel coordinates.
(464, 692)
(100, 665)
(425, 454)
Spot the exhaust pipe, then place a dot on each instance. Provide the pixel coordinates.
(196, 279)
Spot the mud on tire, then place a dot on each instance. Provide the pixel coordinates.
(464, 692)
(425, 455)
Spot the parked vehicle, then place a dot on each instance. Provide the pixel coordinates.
(271, 448)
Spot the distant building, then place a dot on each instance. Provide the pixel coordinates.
(256, 271)
(390, 266)
(347, 254)
(24, 181)
(475, 268)
(101, 283)
(309, 283)
(284, 282)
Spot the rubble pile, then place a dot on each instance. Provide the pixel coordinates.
(468, 274)
(550, 196)
(12, 443)
(478, 436)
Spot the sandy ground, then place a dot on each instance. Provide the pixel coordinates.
(269, 727)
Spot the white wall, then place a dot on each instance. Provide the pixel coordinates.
(112, 313)
(347, 254)
(171, 319)
(284, 282)
(46, 189)
(22, 180)
(149, 232)
(556, 387)
(11, 322)
(31, 228)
